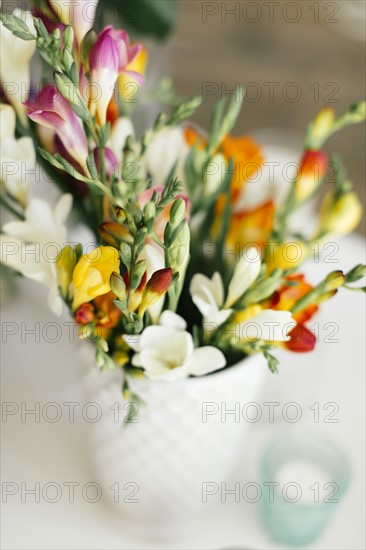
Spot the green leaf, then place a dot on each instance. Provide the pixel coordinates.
(154, 18)
(227, 211)
(272, 361)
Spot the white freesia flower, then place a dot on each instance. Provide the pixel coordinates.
(17, 156)
(166, 351)
(15, 56)
(269, 324)
(24, 244)
(167, 148)
(245, 273)
(208, 294)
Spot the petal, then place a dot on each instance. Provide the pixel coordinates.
(217, 288)
(218, 318)
(55, 302)
(121, 129)
(174, 346)
(269, 325)
(172, 320)
(245, 273)
(301, 339)
(133, 341)
(63, 208)
(7, 121)
(205, 307)
(178, 373)
(135, 77)
(205, 360)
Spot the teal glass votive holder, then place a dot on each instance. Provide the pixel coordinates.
(304, 477)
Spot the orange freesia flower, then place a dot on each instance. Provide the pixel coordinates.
(193, 137)
(112, 111)
(301, 338)
(100, 311)
(287, 296)
(244, 152)
(247, 158)
(107, 314)
(250, 226)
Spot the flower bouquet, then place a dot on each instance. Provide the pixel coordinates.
(181, 281)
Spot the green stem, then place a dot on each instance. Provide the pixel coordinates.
(11, 208)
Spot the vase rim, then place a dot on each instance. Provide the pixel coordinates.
(226, 371)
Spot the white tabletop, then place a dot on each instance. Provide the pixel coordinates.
(47, 452)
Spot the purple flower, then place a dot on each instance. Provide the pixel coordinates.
(110, 55)
(51, 110)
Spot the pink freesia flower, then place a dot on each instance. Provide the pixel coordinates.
(51, 110)
(110, 55)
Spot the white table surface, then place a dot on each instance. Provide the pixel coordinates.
(57, 452)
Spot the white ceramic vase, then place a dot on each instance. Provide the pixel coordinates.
(183, 437)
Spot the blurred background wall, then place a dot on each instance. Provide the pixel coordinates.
(295, 57)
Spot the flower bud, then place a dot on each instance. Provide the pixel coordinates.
(320, 128)
(156, 287)
(113, 233)
(88, 42)
(357, 112)
(340, 216)
(177, 212)
(118, 286)
(65, 263)
(178, 252)
(132, 325)
(356, 273)
(140, 236)
(137, 273)
(67, 59)
(312, 170)
(120, 214)
(334, 280)
(84, 314)
(149, 211)
(68, 37)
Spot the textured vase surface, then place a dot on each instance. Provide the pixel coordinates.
(181, 438)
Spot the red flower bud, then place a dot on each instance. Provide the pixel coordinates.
(301, 340)
(84, 314)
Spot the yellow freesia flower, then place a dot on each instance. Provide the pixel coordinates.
(92, 273)
(245, 314)
(342, 216)
(66, 262)
(285, 255)
(127, 84)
